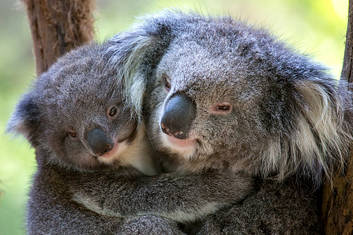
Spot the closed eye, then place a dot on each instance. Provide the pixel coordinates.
(221, 108)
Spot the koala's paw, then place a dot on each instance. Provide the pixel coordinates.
(150, 224)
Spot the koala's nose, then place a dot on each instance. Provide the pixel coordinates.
(179, 113)
(99, 142)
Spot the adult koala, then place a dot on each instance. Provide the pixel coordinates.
(220, 94)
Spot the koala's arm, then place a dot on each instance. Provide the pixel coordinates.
(149, 224)
(277, 208)
(180, 198)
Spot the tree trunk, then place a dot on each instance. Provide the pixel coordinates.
(337, 204)
(57, 27)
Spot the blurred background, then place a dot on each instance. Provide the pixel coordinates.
(313, 27)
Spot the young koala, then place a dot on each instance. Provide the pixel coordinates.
(88, 140)
(220, 94)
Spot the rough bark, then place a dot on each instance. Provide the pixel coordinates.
(57, 27)
(337, 205)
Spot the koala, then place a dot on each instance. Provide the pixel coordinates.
(89, 140)
(221, 95)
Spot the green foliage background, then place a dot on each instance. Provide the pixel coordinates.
(314, 27)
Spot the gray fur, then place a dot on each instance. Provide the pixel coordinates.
(266, 213)
(150, 224)
(72, 184)
(288, 115)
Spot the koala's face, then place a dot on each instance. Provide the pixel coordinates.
(208, 101)
(224, 93)
(76, 112)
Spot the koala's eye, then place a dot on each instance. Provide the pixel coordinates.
(112, 111)
(166, 81)
(221, 108)
(72, 134)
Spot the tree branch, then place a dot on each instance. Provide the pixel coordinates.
(337, 203)
(57, 27)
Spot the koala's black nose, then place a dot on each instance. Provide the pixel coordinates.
(99, 142)
(179, 113)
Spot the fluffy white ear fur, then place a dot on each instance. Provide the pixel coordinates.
(320, 137)
(129, 54)
(132, 77)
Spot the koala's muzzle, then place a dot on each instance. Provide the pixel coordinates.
(179, 113)
(99, 142)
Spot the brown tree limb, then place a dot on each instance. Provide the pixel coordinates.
(348, 52)
(57, 27)
(337, 204)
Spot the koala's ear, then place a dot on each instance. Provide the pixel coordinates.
(318, 132)
(324, 130)
(25, 119)
(136, 53)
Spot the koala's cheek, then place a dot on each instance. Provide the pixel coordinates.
(86, 161)
(76, 155)
(155, 125)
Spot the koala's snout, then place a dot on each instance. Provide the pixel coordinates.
(179, 113)
(99, 142)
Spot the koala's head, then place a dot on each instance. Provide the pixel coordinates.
(221, 93)
(75, 112)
